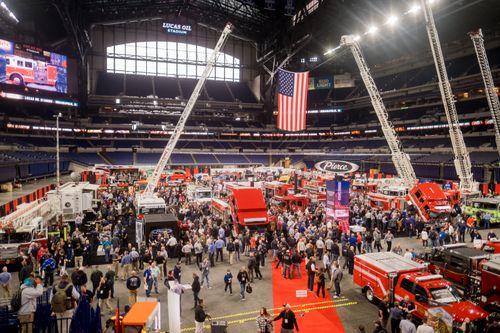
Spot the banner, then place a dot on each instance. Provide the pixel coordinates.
(343, 81)
(317, 83)
(337, 203)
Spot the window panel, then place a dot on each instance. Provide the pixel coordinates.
(151, 68)
(219, 73)
(172, 69)
(130, 66)
(170, 59)
(110, 65)
(228, 74)
(120, 50)
(162, 69)
(191, 71)
(181, 70)
(141, 67)
(130, 50)
(119, 65)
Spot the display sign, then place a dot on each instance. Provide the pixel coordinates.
(343, 81)
(32, 67)
(337, 203)
(334, 166)
(46, 100)
(318, 83)
(176, 28)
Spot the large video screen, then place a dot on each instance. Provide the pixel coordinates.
(32, 67)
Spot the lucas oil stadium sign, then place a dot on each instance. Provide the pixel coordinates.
(336, 166)
(178, 29)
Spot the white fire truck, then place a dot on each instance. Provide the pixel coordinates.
(27, 224)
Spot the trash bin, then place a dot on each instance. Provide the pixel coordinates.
(218, 326)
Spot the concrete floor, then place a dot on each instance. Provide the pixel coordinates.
(353, 309)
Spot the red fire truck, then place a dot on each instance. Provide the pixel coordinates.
(273, 189)
(292, 202)
(429, 200)
(491, 246)
(389, 198)
(363, 187)
(386, 273)
(248, 208)
(489, 295)
(458, 263)
(21, 71)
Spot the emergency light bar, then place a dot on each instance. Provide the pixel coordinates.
(429, 277)
(454, 246)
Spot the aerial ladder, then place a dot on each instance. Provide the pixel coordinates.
(462, 159)
(400, 159)
(489, 85)
(169, 148)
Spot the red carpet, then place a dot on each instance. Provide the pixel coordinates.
(314, 314)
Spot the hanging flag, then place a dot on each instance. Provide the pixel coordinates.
(292, 100)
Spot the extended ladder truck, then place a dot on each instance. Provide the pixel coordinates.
(462, 158)
(428, 203)
(489, 85)
(147, 202)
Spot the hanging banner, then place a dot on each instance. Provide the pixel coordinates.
(343, 81)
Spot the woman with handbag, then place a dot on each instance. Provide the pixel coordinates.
(264, 322)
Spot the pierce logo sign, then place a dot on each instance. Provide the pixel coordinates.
(336, 166)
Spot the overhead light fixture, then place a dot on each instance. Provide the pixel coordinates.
(413, 9)
(392, 20)
(372, 30)
(237, 119)
(117, 101)
(9, 12)
(356, 37)
(155, 102)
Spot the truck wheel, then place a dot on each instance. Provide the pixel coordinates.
(17, 79)
(369, 294)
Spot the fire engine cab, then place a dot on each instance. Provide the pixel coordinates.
(23, 70)
(273, 189)
(386, 273)
(429, 200)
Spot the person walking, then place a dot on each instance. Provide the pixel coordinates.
(31, 289)
(243, 280)
(5, 282)
(406, 325)
(252, 262)
(103, 294)
(321, 282)
(396, 314)
(133, 284)
(350, 260)
(337, 276)
(287, 262)
(264, 321)
(289, 321)
(311, 271)
(205, 271)
(219, 247)
(196, 287)
(296, 260)
(230, 250)
(63, 300)
(126, 264)
(156, 273)
(389, 237)
(95, 278)
(228, 281)
(199, 317)
(148, 280)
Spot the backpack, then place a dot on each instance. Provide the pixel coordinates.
(60, 302)
(230, 246)
(15, 302)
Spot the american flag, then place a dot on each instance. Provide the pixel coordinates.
(292, 100)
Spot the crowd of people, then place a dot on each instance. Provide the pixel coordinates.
(68, 264)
